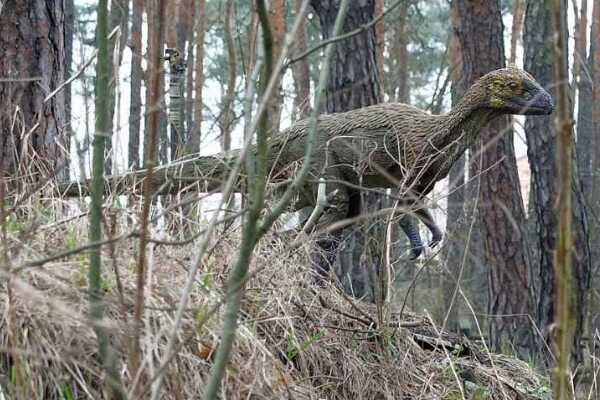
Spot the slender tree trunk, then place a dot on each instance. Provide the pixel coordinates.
(35, 73)
(517, 27)
(541, 150)
(500, 205)
(563, 124)
(189, 80)
(101, 133)
(69, 36)
(594, 202)
(581, 24)
(301, 71)
(119, 16)
(380, 44)
(135, 108)
(585, 127)
(151, 103)
(456, 226)
(400, 50)
(277, 22)
(200, 27)
(172, 23)
(229, 97)
(178, 17)
(252, 33)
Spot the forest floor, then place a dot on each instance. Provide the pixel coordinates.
(295, 340)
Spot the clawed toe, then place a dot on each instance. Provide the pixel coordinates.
(435, 241)
(416, 252)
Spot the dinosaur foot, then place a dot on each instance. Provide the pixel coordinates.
(425, 250)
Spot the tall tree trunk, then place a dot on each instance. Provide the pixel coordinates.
(517, 27)
(563, 123)
(69, 36)
(277, 22)
(354, 75)
(229, 97)
(250, 48)
(585, 126)
(172, 23)
(119, 16)
(500, 205)
(135, 107)
(102, 133)
(152, 103)
(579, 58)
(32, 42)
(354, 83)
(400, 55)
(185, 18)
(301, 71)
(594, 202)
(200, 27)
(456, 226)
(178, 16)
(541, 149)
(189, 80)
(380, 44)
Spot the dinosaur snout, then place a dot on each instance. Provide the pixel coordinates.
(540, 104)
(545, 102)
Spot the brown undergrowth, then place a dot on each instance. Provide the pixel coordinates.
(295, 340)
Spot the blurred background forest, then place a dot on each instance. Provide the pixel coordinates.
(490, 282)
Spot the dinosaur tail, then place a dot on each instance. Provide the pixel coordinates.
(198, 173)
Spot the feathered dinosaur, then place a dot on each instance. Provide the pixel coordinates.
(389, 145)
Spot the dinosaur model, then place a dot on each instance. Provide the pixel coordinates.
(390, 145)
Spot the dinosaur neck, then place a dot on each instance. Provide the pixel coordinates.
(463, 123)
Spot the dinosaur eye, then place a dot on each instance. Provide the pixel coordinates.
(513, 85)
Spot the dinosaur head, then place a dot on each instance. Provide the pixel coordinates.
(513, 91)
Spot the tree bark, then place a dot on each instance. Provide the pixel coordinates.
(189, 80)
(354, 75)
(200, 27)
(500, 205)
(151, 102)
(456, 226)
(301, 71)
(277, 23)
(119, 16)
(400, 50)
(594, 199)
(33, 139)
(541, 151)
(179, 16)
(517, 27)
(380, 44)
(229, 97)
(581, 24)
(69, 36)
(135, 107)
(172, 23)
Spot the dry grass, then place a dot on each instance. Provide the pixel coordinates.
(295, 340)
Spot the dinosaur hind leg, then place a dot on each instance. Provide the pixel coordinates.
(425, 216)
(408, 223)
(335, 210)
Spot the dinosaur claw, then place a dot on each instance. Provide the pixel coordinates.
(435, 241)
(416, 252)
